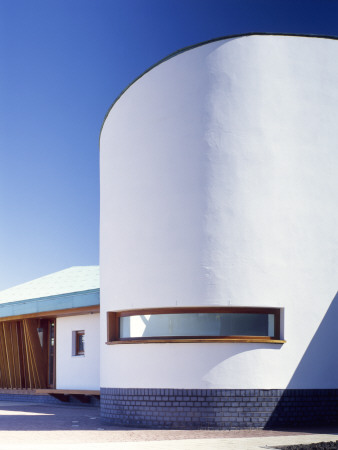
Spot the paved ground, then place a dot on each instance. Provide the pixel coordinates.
(48, 427)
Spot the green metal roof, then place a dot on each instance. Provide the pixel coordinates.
(70, 288)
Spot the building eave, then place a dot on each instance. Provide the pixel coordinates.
(41, 306)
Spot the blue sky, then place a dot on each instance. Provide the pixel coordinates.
(62, 64)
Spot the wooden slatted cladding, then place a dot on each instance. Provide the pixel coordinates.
(23, 355)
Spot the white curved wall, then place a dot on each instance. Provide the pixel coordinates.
(219, 187)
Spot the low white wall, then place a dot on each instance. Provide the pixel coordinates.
(82, 371)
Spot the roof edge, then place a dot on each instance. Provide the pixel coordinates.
(200, 44)
(52, 303)
(49, 297)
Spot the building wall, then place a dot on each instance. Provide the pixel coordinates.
(219, 188)
(82, 371)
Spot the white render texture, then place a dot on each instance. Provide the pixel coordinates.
(82, 371)
(219, 187)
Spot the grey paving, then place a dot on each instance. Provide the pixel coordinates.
(34, 426)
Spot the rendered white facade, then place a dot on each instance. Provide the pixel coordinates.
(78, 371)
(219, 187)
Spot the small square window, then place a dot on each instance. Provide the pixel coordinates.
(78, 343)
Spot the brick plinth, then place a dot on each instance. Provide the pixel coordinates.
(218, 408)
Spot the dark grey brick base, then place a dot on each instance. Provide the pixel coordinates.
(218, 408)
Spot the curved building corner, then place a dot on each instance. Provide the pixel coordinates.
(219, 237)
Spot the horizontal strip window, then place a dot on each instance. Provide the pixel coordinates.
(195, 324)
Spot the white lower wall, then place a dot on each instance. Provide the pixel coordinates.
(305, 361)
(83, 371)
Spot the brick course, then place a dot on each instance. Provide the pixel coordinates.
(218, 408)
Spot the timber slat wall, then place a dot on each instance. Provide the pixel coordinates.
(22, 358)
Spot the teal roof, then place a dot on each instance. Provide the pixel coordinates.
(70, 288)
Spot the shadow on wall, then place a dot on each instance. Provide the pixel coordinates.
(318, 367)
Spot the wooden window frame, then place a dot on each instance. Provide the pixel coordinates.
(77, 335)
(113, 326)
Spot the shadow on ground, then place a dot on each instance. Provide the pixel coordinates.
(21, 417)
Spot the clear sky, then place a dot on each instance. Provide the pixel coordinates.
(62, 64)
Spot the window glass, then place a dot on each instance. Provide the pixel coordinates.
(197, 324)
(79, 342)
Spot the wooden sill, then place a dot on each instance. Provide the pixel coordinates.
(217, 340)
(49, 391)
(68, 391)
